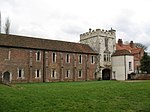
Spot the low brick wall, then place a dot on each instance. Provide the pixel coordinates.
(142, 77)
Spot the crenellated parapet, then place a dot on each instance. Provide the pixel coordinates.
(98, 32)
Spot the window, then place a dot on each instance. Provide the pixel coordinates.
(80, 59)
(80, 74)
(105, 57)
(38, 56)
(67, 73)
(53, 73)
(67, 58)
(20, 73)
(54, 57)
(130, 66)
(37, 74)
(92, 60)
(109, 59)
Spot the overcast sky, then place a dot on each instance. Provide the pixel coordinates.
(67, 19)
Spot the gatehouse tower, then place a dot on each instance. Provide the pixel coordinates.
(103, 42)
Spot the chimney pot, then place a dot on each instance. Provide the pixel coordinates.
(90, 29)
(132, 44)
(120, 43)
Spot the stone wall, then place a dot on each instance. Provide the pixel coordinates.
(103, 42)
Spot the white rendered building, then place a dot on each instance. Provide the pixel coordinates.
(122, 65)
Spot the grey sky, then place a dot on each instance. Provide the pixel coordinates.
(67, 19)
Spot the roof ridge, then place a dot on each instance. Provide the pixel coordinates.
(46, 44)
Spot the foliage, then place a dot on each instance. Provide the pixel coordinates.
(145, 63)
(139, 45)
(97, 96)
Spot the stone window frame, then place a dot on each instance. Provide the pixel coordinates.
(80, 58)
(80, 73)
(107, 57)
(67, 58)
(67, 74)
(37, 73)
(20, 73)
(38, 56)
(53, 73)
(54, 55)
(92, 59)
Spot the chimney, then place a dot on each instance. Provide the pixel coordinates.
(90, 30)
(132, 44)
(120, 43)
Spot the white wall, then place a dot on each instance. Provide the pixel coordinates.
(120, 67)
(129, 59)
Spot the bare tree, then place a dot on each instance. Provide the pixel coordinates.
(140, 45)
(7, 26)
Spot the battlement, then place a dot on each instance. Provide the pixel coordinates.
(98, 32)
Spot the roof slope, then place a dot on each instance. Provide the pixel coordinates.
(121, 52)
(44, 44)
(134, 50)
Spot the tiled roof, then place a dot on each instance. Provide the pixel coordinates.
(135, 51)
(121, 53)
(127, 47)
(44, 44)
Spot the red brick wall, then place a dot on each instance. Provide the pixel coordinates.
(18, 60)
(26, 59)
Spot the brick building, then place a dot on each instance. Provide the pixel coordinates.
(27, 59)
(135, 51)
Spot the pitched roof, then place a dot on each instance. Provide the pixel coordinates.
(121, 52)
(134, 50)
(43, 44)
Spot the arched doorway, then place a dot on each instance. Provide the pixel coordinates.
(106, 74)
(6, 77)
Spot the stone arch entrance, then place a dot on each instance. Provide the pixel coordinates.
(6, 77)
(106, 74)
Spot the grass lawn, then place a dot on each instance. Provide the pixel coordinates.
(96, 96)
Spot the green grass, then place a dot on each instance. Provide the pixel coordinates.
(97, 96)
